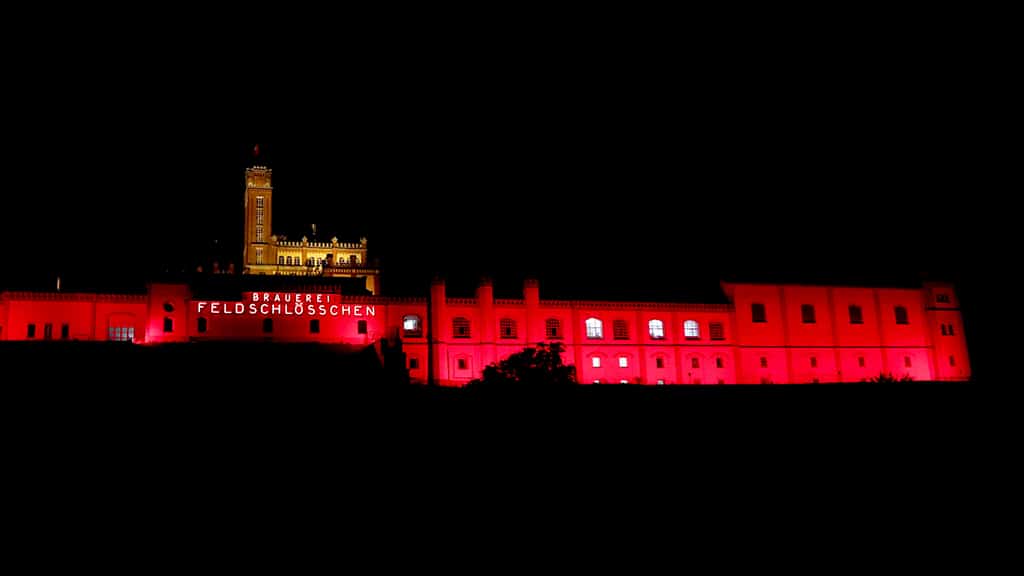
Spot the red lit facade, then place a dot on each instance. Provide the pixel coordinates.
(766, 334)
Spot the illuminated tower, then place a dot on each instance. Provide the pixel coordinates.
(258, 249)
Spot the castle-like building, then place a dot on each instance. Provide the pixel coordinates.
(765, 333)
(267, 253)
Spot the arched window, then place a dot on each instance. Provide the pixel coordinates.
(507, 326)
(460, 327)
(901, 315)
(411, 326)
(553, 329)
(353, 259)
(595, 329)
(620, 330)
(691, 329)
(288, 260)
(280, 259)
(656, 328)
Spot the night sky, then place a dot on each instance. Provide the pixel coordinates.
(610, 176)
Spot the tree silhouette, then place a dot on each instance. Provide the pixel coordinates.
(533, 368)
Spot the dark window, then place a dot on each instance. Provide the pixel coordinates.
(201, 327)
(906, 361)
(952, 361)
(719, 363)
(412, 327)
(507, 326)
(860, 361)
(553, 328)
(951, 330)
(814, 362)
(944, 330)
(361, 327)
(168, 307)
(168, 324)
(694, 363)
(620, 330)
(462, 363)
(757, 313)
(47, 331)
(856, 315)
(314, 326)
(268, 325)
(717, 330)
(414, 363)
(460, 327)
(65, 331)
(764, 362)
(659, 362)
(942, 298)
(807, 314)
(720, 381)
(901, 315)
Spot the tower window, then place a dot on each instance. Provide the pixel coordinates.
(268, 325)
(691, 329)
(314, 326)
(757, 313)
(507, 327)
(553, 328)
(460, 327)
(411, 326)
(361, 327)
(807, 314)
(259, 233)
(856, 315)
(595, 329)
(620, 330)
(623, 362)
(764, 362)
(201, 325)
(659, 362)
(901, 315)
(656, 328)
(717, 330)
(168, 325)
(259, 255)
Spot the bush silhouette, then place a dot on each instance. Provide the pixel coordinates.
(885, 378)
(540, 367)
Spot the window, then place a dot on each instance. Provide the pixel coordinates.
(259, 255)
(814, 362)
(807, 314)
(280, 260)
(462, 364)
(553, 328)
(656, 328)
(765, 381)
(691, 330)
(507, 328)
(901, 315)
(659, 362)
(951, 330)
(856, 315)
(719, 363)
(201, 325)
(47, 331)
(694, 363)
(353, 259)
(411, 326)
(721, 381)
(65, 331)
(414, 363)
(906, 361)
(623, 362)
(661, 382)
(168, 325)
(944, 330)
(595, 329)
(620, 330)
(952, 361)
(623, 381)
(942, 298)
(361, 327)
(595, 362)
(460, 327)
(288, 260)
(860, 361)
(121, 333)
(259, 233)
(717, 330)
(757, 313)
(314, 326)
(764, 362)
(268, 325)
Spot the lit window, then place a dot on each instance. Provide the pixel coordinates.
(121, 333)
(460, 327)
(620, 330)
(314, 326)
(719, 363)
(288, 260)
(259, 255)
(901, 315)
(361, 327)
(764, 362)
(280, 260)
(814, 362)
(507, 327)
(595, 329)
(411, 326)
(807, 314)
(201, 325)
(656, 328)
(623, 362)
(757, 313)
(694, 363)
(691, 329)
(259, 233)
(553, 328)
(595, 362)
(168, 325)
(659, 362)
(661, 382)
(623, 381)
(856, 315)
(717, 330)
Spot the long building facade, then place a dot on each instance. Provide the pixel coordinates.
(767, 333)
